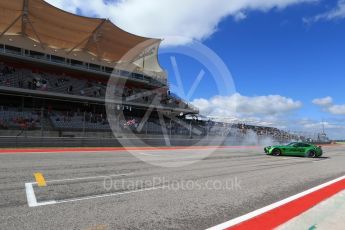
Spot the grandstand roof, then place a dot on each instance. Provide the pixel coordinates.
(55, 28)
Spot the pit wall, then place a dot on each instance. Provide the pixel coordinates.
(144, 141)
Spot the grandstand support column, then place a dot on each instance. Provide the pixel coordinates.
(42, 128)
(84, 116)
(22, 104)
(190, 129)
(117, 123)
(170, 127)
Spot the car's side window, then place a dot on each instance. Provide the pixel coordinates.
(301, 145)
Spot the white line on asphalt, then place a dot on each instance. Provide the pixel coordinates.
(30, 195)
(87, 178)
(33, 202)
(147, 154)
(260, 211)
(110, 194)
(321, 160)
(46, 203)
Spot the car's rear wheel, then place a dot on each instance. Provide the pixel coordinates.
(276, 152)
(311, 154)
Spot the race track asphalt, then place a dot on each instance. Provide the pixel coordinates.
(116, 190)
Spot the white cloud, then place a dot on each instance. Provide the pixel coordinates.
(337, 109)
(272, 110)
(337, 13)
(162, 18)
(334, 129)
(240, 16)
(328, 105)
(326, 101)
(310, 125)
(238, 105)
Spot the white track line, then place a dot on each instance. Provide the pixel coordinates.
(30, 195)
(147, 154)
(107, 195)
(32, 201)
(270, 207)
(88, 178)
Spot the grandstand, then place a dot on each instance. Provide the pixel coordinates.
(58, 63)
(55, 68)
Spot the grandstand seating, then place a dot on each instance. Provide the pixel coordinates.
(11, 118)
(77, 123)
(25, 78)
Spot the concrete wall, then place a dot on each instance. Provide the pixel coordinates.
(106, 139)
(16, 142)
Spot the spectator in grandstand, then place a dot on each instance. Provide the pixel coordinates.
(49, 110)
(34, 84)
(29, 84)
(32, 124)
(21, 83)
(7, 83)
(3, 124)
(99, 91)
(88, 84)
(70, 89)
(38, 84)
(44, 86)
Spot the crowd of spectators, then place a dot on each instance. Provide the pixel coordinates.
(24, 78)
(267, 131)
(79, 120)
(4, 69)
(12, 118)
(43, 81)
(67, 116)
(28, 79)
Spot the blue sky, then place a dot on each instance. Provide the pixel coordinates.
(283, 54)
(276, 53)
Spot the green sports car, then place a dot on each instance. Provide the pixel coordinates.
(295, 149)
